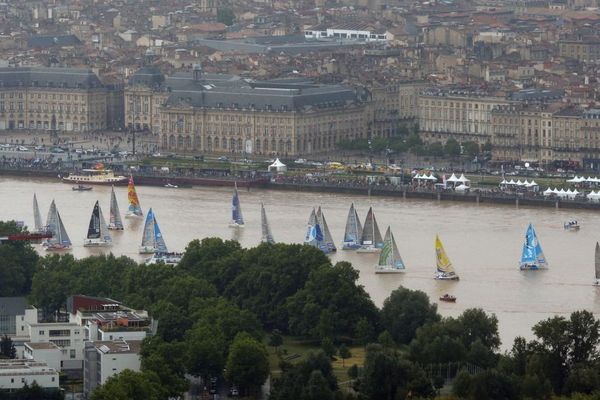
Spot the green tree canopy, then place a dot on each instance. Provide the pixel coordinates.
(406, 310)
(130, 385)
(247, 364)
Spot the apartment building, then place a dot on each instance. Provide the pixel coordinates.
(104, 359)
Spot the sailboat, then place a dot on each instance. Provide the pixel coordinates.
(445, 270)
(314, 234)
(328, 246)
(154, 243)
(267, 236)
(37, 217)
(134, 209)
(59, 240)
(237, 220)
(370, 240)
(390, 261)
(532, 256)
(98, 234)
(115, 222)
(152, 240)
(597, 262)
(353, 231)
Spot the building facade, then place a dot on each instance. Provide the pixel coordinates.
(461, 115)
(14, 374)
(52, 99)
(196, 112)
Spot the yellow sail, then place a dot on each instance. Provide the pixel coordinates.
(443, 263)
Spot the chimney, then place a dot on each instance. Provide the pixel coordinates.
(197, 72)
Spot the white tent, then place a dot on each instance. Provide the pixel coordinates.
(519, 183)
(576, 179)
(548, 192)
(532, 184)
(562, 193)
(452, 178)
(278, 167)
(526, 183)
(461, 188)
(430, 177)
(512, 182)
(504, 182)
(463, 179)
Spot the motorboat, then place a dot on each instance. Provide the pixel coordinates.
(171, 186)
(81, 188)
(165, 258)
(571, 226)
(448, 298)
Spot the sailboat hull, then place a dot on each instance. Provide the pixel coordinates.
(96, 243)
(114, 228)
(388, 271)
(146, 250)
(131, 215)
(530, 267)
(235, 225)
(368, 250)
(444, 277)
(56, 247)
(350, 246)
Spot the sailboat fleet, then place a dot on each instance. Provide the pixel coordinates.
(364, 238)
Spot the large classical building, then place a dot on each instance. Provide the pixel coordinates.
(459, 114)
(228, 114)
(55, 99)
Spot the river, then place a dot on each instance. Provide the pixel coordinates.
(483, 241)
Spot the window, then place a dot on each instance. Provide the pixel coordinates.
(72, 353)
(42, 333)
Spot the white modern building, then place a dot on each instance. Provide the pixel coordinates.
(50, 353)
(347, 31)
(104, 359)
(14, 374)
(67, 336)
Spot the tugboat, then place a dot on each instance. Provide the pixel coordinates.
(448, 298)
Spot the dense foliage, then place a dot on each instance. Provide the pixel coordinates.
(222, 303)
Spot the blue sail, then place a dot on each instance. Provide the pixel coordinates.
(160, 244)
(532, 255)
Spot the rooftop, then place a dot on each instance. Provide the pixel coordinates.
(118, 346)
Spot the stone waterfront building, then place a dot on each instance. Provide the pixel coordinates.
(53, 99)
(228, 114)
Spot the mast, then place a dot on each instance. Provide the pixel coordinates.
(597, 261)
(442, 261)
(37, 217)
(353, 230)
(267, 236)
(327, 238)
(148, 234)
(104, 232)
(368, 233)
(314, 234)
(134, 201)
(159, 241)
(115, 221)
(94, 226)
(236, 208)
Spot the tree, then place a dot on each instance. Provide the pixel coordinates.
(363, 331)
(225, 16)
(385, 339)
(345, 353)
(293, 383)
(206, 348)
(17, 263)
(167, 361)
(435, 149)
(247, 364)
(7, 348)
(452, 148)
(477, 325)
(406, 310)
(317, 387)
(129, 385)
(328, 347)
(330, 304)
(471, 148)
(584, 332)
(462, 384)
(276, 339)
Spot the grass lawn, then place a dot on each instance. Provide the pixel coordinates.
(295, 349)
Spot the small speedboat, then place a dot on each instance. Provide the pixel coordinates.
(171, 186)
(571, 226)
(81, 188)
(448, 298)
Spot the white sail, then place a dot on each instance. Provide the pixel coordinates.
(327, 244)
(389, 258)
(353, 231)
(115, 221)
(59, 240)
(37, 217)
(371, 240)
(267, 236)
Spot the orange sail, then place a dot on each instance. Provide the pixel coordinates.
(134, 202)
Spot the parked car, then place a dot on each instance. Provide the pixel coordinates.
(233, 392)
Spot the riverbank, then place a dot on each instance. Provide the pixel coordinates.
(405, 192)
